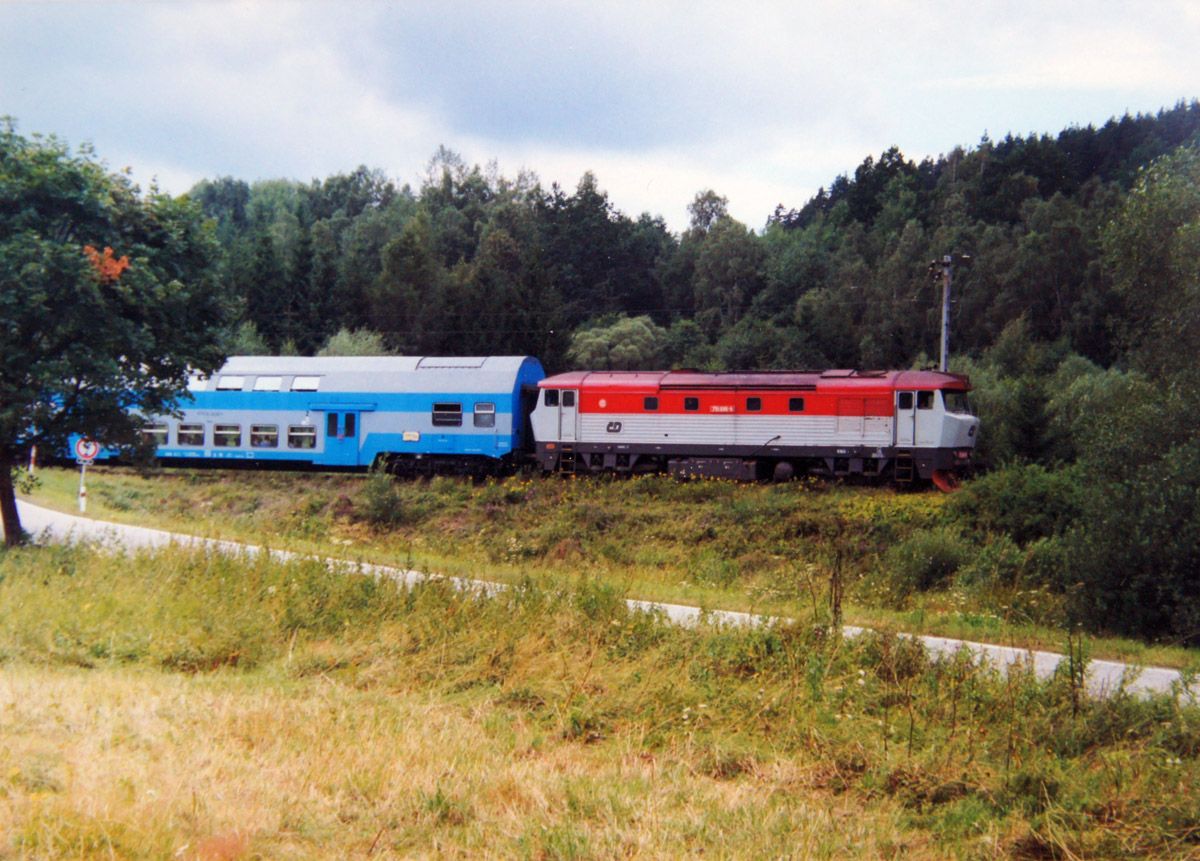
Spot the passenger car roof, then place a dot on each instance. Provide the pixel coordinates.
(447, 374)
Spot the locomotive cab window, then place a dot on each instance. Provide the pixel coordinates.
(956, 402)
(447, 415)
(551, 399)
(568, 397)
(227, 436)
(190, 434)
(485, 415)
(691, 404)
(795, 405)
(904, 401)
(753, 405)
(924, 400)
(155, 433)
(650, 404)
(264, 436)
(301, 436)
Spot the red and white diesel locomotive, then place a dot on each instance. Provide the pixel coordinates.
(902, 425)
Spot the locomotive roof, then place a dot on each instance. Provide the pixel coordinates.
(810, 380)
(387, 373)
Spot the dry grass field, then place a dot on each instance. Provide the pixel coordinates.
(129, 764)
(182, 704)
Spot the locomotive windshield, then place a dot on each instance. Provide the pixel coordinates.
(956, 402)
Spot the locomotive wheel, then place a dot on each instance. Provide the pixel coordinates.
(946, 481)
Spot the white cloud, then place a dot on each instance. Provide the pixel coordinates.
(761, 102)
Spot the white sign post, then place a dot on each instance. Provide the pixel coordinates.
(85, 452)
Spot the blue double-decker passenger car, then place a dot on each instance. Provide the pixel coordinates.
(412, 414)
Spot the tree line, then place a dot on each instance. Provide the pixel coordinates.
(1078, 321)
(473, 261)
(1078, 318)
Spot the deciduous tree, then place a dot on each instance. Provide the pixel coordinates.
(107, 302)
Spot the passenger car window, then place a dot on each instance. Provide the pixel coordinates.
(264, 436)
(331, 425)
(227, 384)
(268, 384)
(447, 415)
(301, 436)
(227, 436)
(190, 434)
(155, 433)
(485, 415)
(306, 384)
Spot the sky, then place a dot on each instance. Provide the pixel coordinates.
(763, 102)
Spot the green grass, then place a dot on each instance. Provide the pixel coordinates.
(177, 701)
(714, 544)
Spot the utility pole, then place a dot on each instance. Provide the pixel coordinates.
(944, 270)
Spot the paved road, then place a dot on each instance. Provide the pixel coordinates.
(1103, 676)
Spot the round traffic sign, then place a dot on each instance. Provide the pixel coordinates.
(87, 449)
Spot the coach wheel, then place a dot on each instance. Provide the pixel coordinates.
(784, 471)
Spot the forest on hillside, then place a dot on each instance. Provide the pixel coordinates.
(1077, 318)
(477, 262)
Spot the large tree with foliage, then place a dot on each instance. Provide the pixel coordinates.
(108, 299)
(625, 344)
(1140, 550)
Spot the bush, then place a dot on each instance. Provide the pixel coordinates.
(1022, 501)
(381, 503)
(1000, 562)
(1137, 554)
(926, 560)
(1023, 584)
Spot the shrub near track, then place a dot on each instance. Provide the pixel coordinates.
(341, 712)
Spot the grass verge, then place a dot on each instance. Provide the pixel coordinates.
(183, 704)
(714, 544)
